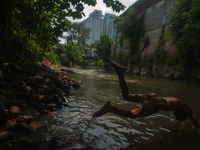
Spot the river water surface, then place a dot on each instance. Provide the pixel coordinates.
(111, 132)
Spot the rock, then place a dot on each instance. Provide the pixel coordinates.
(40, 106)
(58, 143)
(5, 85)
(25, 118)
(59, 84)
(27, 144)
(51, 106)
(3, 116)
(10, 124)
(40, 91)
(21, 144)
(10, 96)
(6, 136)
(22, 127)
(2, 98)
(39, 79)
(18, 84)
(44, 112)
(14, 112)
(77, 84)
(24, 89)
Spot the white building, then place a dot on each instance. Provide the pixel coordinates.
(95, 22)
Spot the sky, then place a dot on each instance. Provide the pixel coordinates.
(100, 6)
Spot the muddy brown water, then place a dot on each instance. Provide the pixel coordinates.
(112, 132)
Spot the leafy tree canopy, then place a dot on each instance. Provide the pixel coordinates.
(32, 27)
(78, 33)
(103, 47)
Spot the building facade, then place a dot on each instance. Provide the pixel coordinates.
(95, 22)
(109, 25)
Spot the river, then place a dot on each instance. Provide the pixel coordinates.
(112, 132)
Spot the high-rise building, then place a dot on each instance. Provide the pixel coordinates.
(95, 22)
(109, 25)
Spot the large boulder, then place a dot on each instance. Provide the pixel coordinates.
(14, 112)
(6, 136)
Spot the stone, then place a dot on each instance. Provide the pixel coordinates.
(17, 84)
(58, 143)
(3, 116)
(14, 112)
(22, 144)
(22, 127)
(24, 89)
(6, 136)
(25, 118)
(5, 85)
(40, 91)
(39, 79)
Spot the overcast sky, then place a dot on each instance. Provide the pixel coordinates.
(101, 6)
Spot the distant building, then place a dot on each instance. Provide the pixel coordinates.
(95, 22)
(109, 25)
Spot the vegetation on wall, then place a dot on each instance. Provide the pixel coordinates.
(131, 28)
(185, 29)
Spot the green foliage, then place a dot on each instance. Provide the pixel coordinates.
(78, 34)
(185, 28)
(122, 58)
(131, 28)
(69, 53)
(54, 58)
(147, 62)
(32, 27)
(103, 48)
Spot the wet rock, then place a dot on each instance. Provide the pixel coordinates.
(24, 89)
(44, 112)
(21, 144)
(10, 124)
(10, 96)
(40, 91)
(22, 127)
(27, 144)
(3, 116)
(22, 95)
(59, 84)
(2, 98)
(25, 118)
(40, 106)
(14, 112)
(17, 84)
(5, 85)
(39, 79)
(51, 106)
(6, 136)
(71, 83)
(77, 84)
(58, 143)
(57, 100)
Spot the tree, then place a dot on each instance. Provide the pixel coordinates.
(32, 27)
(103, 48)
(78, 34)
(67, 54)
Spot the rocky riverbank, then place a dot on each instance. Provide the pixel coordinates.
(27, 91)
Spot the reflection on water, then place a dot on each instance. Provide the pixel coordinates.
(158, 131)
